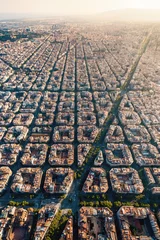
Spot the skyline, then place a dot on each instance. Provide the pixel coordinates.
(72, 7)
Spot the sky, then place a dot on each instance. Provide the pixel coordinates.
(66, 7)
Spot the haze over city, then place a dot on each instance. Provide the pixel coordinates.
(67, 7)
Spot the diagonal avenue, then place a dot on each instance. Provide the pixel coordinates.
(71, 201)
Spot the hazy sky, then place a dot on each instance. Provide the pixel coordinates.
(72, 6)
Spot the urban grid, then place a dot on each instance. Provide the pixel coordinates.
(79, 130)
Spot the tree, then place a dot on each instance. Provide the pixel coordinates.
(136, 204)
(117, 204)
(97, 204)
(106, 204)
(155, 205)
(141, 196)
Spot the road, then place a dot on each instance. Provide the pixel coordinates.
(72, 198)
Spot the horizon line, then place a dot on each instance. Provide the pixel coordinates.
(73, 14)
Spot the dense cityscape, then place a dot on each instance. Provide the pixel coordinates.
(79, 130)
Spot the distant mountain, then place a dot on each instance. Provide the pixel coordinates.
(138, 15)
